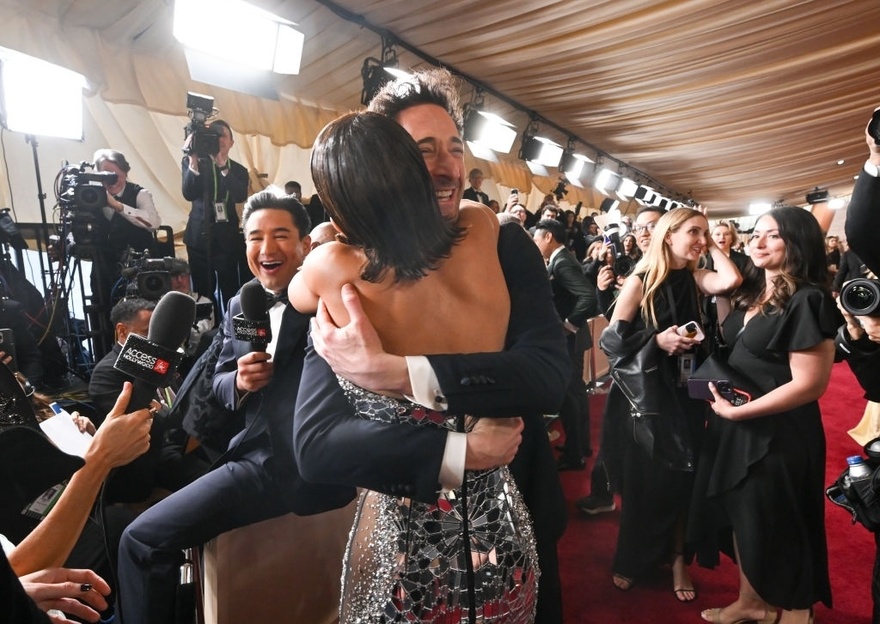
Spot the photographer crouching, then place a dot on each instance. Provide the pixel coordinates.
(214, 183)
(858, 341)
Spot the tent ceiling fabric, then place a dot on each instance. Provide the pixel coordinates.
(731, 101)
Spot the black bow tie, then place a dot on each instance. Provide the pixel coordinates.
(273, 298)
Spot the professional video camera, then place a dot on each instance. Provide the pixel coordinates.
(204, 142)
(78, 189)
(861, 297)
(623, 264)
(148, 278)
(81, 195)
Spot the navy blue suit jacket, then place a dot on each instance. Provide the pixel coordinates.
(269, 413)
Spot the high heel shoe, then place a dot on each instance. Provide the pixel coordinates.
(714, 616)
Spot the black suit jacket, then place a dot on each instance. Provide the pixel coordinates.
(230, 189)
(574, 298)
(863, 221)
(334, 445)
(474, 195)
(269, 414)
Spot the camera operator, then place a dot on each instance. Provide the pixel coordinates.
(130, 218)
(214, 183)
(857, 341)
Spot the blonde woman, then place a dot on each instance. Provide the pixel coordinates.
(655, 478)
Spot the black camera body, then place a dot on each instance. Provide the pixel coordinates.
(205, 143)
(148, 278)
(81, 189)
(861, 297)
(81, 195)
(623, 264)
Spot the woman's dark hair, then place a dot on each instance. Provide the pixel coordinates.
(804, 262)
(374, 184)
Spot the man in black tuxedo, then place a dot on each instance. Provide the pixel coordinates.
(528, 379)
(257, 478)
(575, 302)
(473, 193)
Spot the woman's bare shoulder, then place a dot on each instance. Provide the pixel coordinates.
(476, 215)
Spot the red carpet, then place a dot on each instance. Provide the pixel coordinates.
(586, 549)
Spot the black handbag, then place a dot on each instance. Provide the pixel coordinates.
(715, 369)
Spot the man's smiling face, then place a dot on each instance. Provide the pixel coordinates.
(443, 150)
(275, 249)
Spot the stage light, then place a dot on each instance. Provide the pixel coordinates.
(541, 151)
(488, 130)
(239, 32)
(574, 166)
(377, 73)
(40, 98)
(626, 189)
(645, 195)
(606, 181)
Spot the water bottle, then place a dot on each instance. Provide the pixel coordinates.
(858, 469)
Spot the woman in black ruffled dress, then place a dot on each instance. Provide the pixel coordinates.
(763, 468)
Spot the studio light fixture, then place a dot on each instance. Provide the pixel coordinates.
(606, 181)
(238, 32)
(377, 73)
(40, 98)
(487, 130)
(626, 189)
(539, 150)
(574, 166)
(645, 195)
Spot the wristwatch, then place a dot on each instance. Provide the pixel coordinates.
(871, 169)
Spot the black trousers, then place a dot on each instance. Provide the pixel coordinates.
(574, 414)
(233, 495)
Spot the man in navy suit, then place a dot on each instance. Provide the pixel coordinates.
(257, 478)
(528, 379)
(575, 302)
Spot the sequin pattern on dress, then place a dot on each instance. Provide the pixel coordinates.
(406, 560)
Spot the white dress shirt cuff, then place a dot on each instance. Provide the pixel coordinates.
(425, 386)
(452, 468)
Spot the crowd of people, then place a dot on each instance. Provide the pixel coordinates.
(396, 374)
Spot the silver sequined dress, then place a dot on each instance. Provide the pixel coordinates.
(406, 561)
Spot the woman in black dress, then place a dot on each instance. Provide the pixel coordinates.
(762, 473)
(655, 480)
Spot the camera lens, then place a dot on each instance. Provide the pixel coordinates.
(623, 265)
(861, 297)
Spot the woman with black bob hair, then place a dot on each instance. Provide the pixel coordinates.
(761, 477)
(429, 284)
(392, 216)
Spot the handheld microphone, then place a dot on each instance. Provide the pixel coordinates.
(153, 360)
(252, 325)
